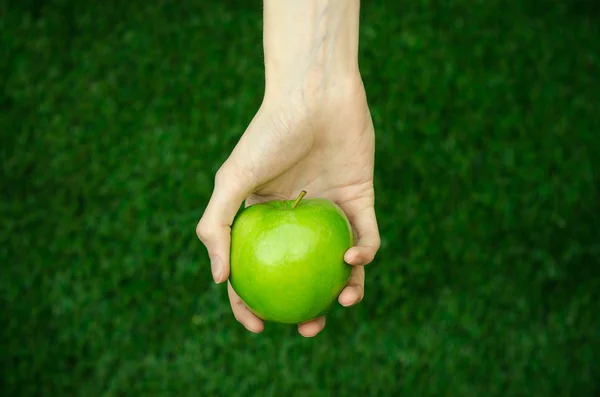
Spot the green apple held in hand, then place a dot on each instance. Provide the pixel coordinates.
(287, 258)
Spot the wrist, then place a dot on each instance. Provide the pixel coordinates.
(310, 45)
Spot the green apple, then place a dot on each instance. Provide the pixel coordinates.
(287, 258)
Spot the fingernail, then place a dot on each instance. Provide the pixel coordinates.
(215, 267)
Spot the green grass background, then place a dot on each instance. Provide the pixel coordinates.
(115, 116)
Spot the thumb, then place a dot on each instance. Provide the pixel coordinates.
(214, 228)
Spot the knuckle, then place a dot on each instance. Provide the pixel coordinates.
(367, 255)
(371, 257)
(231, 175)
(222, 174)
(376, 244)
(374, 248)
(203, 230)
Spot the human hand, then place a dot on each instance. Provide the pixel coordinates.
(325, 148)
(312, 132)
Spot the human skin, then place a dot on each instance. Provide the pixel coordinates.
(312, 132)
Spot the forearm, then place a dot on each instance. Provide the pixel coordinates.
(310, 42)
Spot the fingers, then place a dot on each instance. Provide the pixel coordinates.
(242, 314)
(355, 290)
(368, 241)
(213, 229)
(360, 256)
(311, 328)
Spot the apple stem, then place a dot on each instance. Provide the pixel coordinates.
(300, 197)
